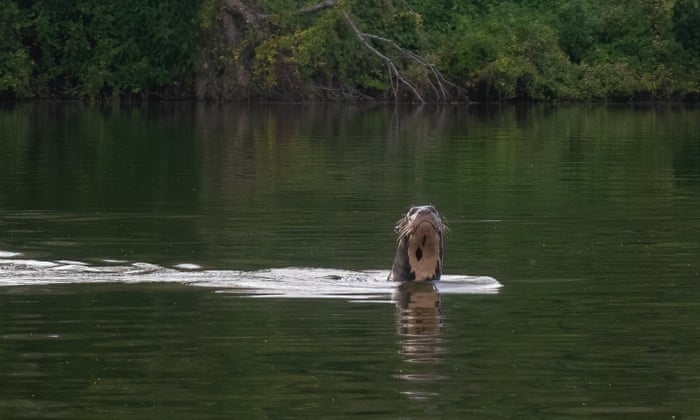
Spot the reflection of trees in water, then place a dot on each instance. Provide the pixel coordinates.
(418, 325)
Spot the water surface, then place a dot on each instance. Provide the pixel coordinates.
(146, 253)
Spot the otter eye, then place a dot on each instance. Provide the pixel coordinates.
(412, 211)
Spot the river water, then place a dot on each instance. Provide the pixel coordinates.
(228, 261)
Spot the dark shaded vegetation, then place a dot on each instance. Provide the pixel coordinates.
(416, 50)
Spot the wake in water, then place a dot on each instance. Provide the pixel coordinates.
(18, 270)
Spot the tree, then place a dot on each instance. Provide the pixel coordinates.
(686, 24)
(15, 65)
(331, 49)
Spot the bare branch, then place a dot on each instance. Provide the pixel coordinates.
(435, 79)
(325, 4)
(394, 74)
(439, 78)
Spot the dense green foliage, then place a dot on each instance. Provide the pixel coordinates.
(496, 50)
(576, 49)
(89, 48)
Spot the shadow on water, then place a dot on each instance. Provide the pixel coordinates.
(419, 327)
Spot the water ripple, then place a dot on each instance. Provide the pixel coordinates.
(16, 270)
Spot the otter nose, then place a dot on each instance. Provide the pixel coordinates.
(422, 210)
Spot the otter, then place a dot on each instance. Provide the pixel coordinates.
(419, 254)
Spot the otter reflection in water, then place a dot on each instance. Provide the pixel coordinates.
(418, 326)
(419, 309)
(419, 254)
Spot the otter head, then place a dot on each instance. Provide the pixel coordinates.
(420, 248)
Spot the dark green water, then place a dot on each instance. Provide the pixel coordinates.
(589, 216)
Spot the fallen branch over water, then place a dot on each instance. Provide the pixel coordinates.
(439, 85)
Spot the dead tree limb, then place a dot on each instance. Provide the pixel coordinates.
(437, 82)
(395, 77)
(325, 4)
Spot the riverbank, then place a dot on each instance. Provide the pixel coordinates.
(235, 50)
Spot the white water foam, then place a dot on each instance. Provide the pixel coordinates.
(273, 282)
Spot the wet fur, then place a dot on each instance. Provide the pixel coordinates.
(419, 254)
